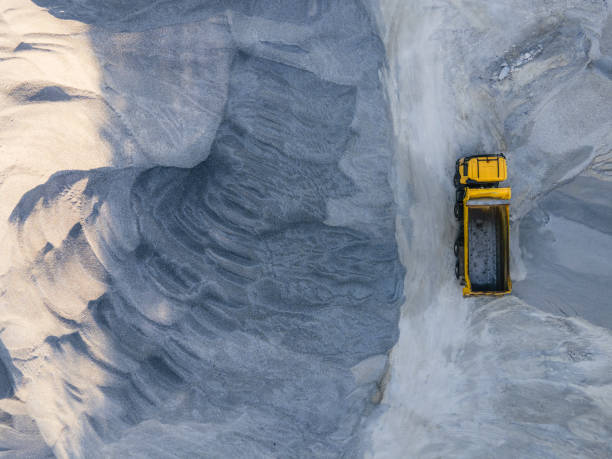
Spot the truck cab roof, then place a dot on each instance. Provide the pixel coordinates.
(483, 169)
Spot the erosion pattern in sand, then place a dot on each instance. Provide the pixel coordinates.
(229, 282)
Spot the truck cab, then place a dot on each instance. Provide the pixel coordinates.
(482, 208)
(481, 170)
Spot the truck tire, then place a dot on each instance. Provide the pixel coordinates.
(457, 180)
(456, 248)
(458, 210)
(457, 273)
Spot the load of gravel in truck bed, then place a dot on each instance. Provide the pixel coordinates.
(485, 248)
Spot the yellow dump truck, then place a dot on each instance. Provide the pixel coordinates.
(483, 210)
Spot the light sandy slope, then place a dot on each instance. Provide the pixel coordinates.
(475, 378)
(50, 114)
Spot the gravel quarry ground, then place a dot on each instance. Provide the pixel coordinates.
(227, 228)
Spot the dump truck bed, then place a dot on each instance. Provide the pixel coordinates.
(486, 244)
(486, 248)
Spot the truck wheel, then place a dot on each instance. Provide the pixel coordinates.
(456, 248)
(457, 270)
(457, 180)
(458, 210)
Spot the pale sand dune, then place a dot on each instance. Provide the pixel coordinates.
(38, 139)
(50, 116)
